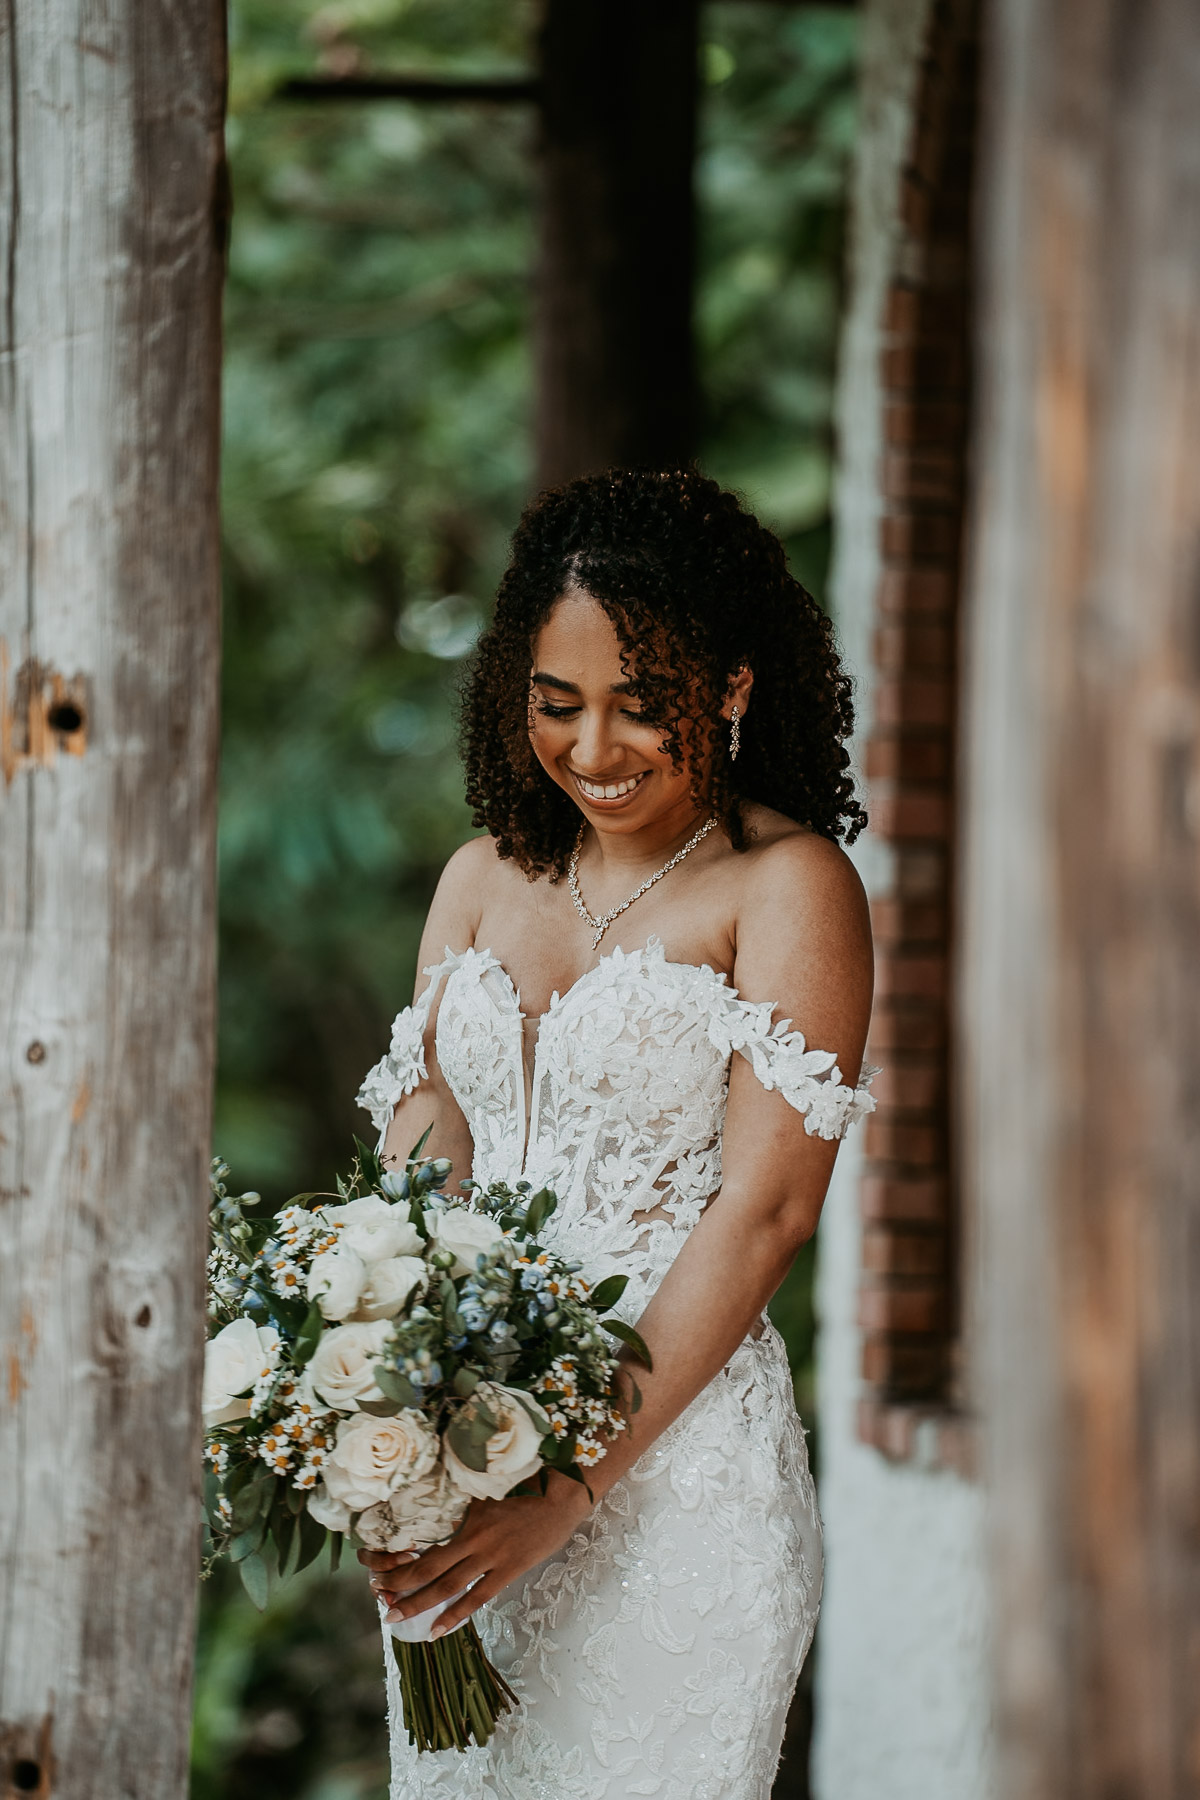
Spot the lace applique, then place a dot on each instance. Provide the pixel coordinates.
(401, 1071)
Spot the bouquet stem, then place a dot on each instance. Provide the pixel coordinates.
(452, 1695)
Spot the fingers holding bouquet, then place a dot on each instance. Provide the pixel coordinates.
(498, 1542)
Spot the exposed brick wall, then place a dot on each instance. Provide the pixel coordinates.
(908, 1303)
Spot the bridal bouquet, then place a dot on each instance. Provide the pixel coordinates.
(380, 1357)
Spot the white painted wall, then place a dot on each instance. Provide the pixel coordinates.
(902, 1682)
(901, 1694)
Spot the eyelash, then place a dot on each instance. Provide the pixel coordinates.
(565, 712)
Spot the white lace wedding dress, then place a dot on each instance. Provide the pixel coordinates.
(656, 1654)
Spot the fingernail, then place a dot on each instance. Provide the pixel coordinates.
(436, 1632)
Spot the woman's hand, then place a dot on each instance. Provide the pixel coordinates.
(498, 1541)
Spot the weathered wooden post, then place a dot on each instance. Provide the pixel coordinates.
(613, 315)
(1082, 814)
(112, 221)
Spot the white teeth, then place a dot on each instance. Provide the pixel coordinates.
(611, 790)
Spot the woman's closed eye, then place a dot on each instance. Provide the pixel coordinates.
(549, 711)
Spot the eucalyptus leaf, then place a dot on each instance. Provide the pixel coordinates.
(466, 1447)
(238, 1477)
(629, 1336)
(253, 1571)
(246, 1507)
(479, 1431)
(465, 1382)
(312, 1541)
(540, 1208)
(380, 1409)
(283, 1526)
(606, 1293)
(309, 1335)
(396, 1386)
(248, 1542)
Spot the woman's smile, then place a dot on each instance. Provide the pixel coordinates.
(608, 794)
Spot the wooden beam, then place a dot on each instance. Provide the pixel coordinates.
(613, 333)
(1082, 969)
(502, 90)
(112, 223)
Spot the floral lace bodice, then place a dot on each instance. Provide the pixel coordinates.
(626, 1102)
(656, 1653)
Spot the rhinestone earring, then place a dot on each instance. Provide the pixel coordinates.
(735, 734)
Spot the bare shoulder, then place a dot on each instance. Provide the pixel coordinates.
(458, 902)
(803, 926)
(473, 863)
(789, 867)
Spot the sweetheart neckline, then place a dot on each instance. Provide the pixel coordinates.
(558, 999)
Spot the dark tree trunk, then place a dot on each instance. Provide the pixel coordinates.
(1082, 978)
(112, 221)
(613, 334)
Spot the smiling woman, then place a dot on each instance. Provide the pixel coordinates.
(678, 569)
(653, 1624)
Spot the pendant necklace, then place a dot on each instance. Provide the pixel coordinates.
(600, 926)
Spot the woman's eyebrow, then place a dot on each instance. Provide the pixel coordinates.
(539, 678)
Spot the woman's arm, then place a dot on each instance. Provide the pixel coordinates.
(451, 924)
(804, 941)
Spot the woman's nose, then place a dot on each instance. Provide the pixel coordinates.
(594, 751)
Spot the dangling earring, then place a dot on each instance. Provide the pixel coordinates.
(735, 734)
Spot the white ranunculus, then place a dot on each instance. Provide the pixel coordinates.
(343, 1368)
(512, 1450)
(426, 1512)
(465, 1234)
(390, 1285)
(326, 1510)
(233, 1361)
(374, 1457)
(373, 1229)
(336, 1279)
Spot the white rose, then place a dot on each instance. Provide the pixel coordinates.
(343, 1369)
(390, 1285)
(336, 1279)
(233, 1361)
(465, 1234)
(426, 1512)
(328, 1511)
(512, 1450)
(374, 1457)
(373, 1229)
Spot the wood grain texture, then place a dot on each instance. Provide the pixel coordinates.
(1081, 978)
(111, 250)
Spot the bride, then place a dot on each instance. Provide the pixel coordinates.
(641, 989)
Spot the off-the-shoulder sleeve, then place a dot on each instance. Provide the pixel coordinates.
(809, 1080)
(401, 1071)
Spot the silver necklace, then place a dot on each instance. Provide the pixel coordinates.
(600, 926)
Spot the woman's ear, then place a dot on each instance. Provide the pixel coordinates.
(738, 693)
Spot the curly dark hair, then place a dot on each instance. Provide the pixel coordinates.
(678, 565)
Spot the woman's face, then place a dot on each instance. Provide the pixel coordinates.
(587, 730)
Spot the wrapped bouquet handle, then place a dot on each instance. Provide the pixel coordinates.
(380, 1357)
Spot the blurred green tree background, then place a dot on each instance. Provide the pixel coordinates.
(377, 455)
